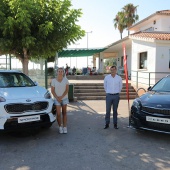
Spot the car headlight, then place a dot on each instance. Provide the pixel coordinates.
(47, 95)
(2, 99)
(137, 104)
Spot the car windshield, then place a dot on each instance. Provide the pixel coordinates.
(163, 85)
(15, 80)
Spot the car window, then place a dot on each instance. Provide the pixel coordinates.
(163, 85)
(15, 80)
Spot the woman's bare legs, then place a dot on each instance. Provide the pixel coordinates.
(64, 114)
(58, 113)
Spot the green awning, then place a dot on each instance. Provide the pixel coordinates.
(79, 52)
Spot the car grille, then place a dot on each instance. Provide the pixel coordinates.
(155, 110)
(25, 107)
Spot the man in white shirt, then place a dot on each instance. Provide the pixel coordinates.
(113, 87)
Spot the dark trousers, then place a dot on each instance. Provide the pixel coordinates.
(111, 101)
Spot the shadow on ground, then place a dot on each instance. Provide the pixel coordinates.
(87, 146)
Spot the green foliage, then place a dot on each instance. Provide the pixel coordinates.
(119, 22)
(42, 27)
(130, 15)
(125, 18)
(110, 62)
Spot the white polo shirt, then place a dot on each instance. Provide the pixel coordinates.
(112, 85)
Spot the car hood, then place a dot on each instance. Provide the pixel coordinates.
(156, 99)
(22, 92)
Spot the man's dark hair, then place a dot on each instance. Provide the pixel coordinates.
(113, 67)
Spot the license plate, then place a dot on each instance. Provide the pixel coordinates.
(28, 119)
(157, 120)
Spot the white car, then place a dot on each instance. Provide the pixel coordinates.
(23, 104)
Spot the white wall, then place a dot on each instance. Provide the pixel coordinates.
(157, 26)
(137, 48)
(162, 57)
(158, 56)
(165, 23)
(162, 24)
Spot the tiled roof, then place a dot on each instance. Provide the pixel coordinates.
(165, 12)
(151, 35)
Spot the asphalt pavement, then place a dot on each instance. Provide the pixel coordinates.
(87, 146)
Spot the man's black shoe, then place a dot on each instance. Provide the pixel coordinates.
(115, 126)
(106, 126)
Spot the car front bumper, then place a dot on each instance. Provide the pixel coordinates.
(12, 123)
(139, 121)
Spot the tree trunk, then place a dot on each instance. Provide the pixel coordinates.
(25, 61)
(41, 65)
(25, 66)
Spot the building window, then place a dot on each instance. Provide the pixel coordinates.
(143, 60)
(149, 29)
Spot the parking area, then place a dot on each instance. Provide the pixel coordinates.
(87, 146)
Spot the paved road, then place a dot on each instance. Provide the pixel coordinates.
(87, 146)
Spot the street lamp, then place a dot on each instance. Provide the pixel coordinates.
(87, 45)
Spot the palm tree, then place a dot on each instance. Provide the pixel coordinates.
(130, 15)
(119, 22)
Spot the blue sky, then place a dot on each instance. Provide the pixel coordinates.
(98, 17)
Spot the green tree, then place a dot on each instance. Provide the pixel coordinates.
(130, 15)
(110, 62)
(125, 18)
(31, 28)
(119, 22)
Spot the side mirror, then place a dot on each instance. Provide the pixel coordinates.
(149, 88)
(36, 83)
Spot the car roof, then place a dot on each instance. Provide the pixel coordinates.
(10, 71)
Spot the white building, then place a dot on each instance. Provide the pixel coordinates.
(147, 50)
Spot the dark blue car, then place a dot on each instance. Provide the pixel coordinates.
(151, 111)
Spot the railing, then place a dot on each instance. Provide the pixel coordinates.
(144, 78)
